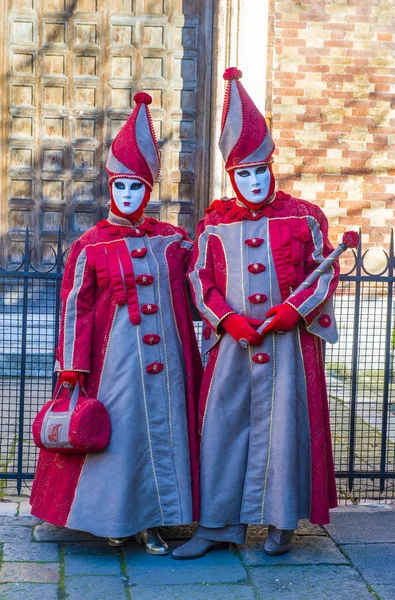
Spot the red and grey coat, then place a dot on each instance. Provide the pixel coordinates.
(126, 324)
(266, 452)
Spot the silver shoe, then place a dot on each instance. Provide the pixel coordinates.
(152, 541)
(120, 542)
(278, 541)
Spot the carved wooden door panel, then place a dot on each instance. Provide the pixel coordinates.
(71, 70)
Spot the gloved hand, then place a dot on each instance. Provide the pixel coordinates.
(241, 327)
(286, 317)
(72, 378)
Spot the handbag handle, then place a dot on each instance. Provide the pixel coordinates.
(72, 405)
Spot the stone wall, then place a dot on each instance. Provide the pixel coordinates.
(331, 84)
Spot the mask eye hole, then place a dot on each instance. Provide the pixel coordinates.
(261, 169)
(136, 186)
(243, 173)
(119, 185)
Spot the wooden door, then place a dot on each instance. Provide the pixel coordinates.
(70, 70)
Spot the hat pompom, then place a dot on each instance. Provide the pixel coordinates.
(232, 73)
(142, 98)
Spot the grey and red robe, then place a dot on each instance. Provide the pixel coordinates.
(127, 325)
(266, 454)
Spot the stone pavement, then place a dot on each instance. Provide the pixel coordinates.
(353, 558)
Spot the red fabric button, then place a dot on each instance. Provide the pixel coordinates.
(154, 368)
(139, 253)
(325, 320)
(151, 339)
(206, 333)
(256, 268)
(261, 358)
(257, 298)
(254, 242)
(149, 309)
(137, 232)
(145, 279)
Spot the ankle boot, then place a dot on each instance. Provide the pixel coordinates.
(120, 542)
(152, 541)
(197, 547)
(278, 541)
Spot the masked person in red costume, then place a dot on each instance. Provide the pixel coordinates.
(265, 452)
(127, 335)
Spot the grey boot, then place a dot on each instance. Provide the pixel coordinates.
(278, 541)
(196, 548)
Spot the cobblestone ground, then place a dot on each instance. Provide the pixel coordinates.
(351, 559)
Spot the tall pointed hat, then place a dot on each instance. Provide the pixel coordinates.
(134, 152)
(245, 139)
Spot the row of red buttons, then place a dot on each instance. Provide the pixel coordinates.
(148, 309)
(256, 268)
(261, 357)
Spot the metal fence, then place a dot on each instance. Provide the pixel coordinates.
(359, 371)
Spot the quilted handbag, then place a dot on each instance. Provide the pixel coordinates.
(72, 424)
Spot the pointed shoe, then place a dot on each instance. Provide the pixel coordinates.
(120, 542)
(152, 541)
(197, 547)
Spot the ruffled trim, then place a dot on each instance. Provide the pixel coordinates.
(234, 211)
(125, 229)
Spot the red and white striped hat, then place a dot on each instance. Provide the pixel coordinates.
(245, 138)
(134, 152)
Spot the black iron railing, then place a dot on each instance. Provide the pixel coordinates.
(359, 371)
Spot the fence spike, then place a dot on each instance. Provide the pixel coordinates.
(59, 257)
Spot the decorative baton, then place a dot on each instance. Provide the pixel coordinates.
(350, 239)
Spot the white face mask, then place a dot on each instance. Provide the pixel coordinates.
(253, 183)
(128, 194)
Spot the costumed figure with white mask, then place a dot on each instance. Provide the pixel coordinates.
(265, 453)
(127, 334)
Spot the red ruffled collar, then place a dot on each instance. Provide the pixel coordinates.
(124, 229)
(234, 211)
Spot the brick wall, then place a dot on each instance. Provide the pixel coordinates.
(331, 84)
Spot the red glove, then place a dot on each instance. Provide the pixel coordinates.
(286, 318)
(72, 377)
(240, 327)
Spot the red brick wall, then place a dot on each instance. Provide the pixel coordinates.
(331, 84)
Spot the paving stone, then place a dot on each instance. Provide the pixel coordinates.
(385, 592)
(24, 509)
(90, 564)
(324, 582)
(311, 550)
(50, 533)
(8, 509)
(15, 534)
(216, 567)
(99, 547)
(198, 591)
(31, 552)
(376, 562)
(19, 521)
(95, 588)
(29, 572)
(28, 591)
(362, 527)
